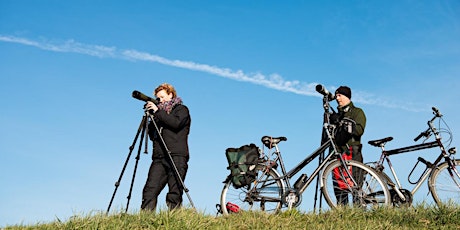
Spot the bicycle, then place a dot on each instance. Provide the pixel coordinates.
(272, 190)
(443, 174)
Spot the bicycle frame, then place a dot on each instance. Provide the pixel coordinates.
(287, 176)
(385, 157)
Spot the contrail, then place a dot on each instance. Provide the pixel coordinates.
(273, 81)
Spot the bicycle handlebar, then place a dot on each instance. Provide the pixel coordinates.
(427, 132)
(436, 113)
(422, 134)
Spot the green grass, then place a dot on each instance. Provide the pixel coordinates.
(419, 217)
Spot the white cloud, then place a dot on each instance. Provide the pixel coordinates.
(273, 81)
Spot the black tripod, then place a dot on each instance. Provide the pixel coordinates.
(326, 119)
(143, 131)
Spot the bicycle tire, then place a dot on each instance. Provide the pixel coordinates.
(371, 193)
(264, 194)
(444, 186)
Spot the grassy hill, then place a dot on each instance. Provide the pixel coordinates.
(419, 217)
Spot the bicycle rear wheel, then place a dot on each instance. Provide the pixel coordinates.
(365, 189)
(444, 184)
(264, 194)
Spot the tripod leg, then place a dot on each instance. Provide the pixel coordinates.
(144, 131)
(324, 138)
(321, 157)
(141, 127)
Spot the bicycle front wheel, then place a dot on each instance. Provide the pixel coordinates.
(444, 184)
(264, 194)
(357, 186)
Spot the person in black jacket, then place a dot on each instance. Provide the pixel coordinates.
(173, 120)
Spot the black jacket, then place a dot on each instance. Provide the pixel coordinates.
(174, 128)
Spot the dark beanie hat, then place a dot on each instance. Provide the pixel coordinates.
(344, 90)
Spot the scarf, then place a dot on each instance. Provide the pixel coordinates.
(169, 105)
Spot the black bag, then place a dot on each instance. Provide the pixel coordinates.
(242, 163)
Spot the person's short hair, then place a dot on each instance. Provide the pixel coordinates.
(166, 87)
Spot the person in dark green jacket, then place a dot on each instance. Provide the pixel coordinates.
(348, 136)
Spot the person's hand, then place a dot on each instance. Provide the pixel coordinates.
(151, 106)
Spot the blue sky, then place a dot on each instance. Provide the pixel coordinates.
(244, 68)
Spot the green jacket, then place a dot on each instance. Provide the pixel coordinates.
(357, 115)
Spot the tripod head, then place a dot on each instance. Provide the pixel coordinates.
(327, 98)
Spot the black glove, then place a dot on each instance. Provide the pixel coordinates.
(335, 118)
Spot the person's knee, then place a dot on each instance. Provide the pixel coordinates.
(357, 154)
(181, 165)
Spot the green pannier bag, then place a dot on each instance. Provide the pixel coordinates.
(242, 163)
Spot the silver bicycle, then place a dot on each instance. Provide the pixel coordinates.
(443, 174)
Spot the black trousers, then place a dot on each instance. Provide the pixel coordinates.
(161, 172)
(358, 175)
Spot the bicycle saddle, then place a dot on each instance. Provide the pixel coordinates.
(269, 142)
(380, 142)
